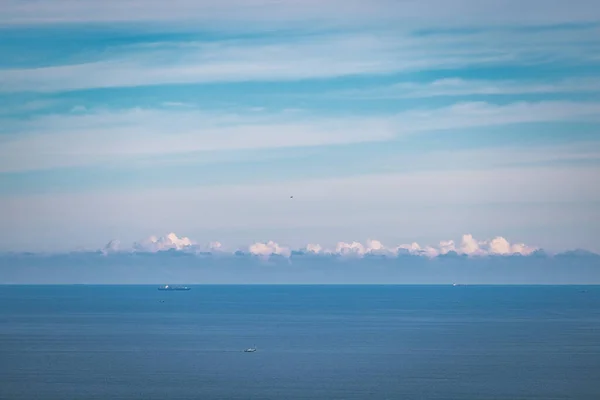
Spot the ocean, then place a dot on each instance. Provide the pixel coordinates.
(314, 342)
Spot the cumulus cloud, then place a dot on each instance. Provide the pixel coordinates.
(495, 246)
(153, 244)
(523, 249)
(468, 246)
(416, 249)
(269, 248)
(312, 248)
(353, 248)
(349, 249)
(446, 246)
(214, 247)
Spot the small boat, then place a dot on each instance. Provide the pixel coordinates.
(250, 350)
(167, 287)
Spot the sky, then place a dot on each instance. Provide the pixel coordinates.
(399, 122)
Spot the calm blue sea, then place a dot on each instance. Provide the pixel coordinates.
(314, 342)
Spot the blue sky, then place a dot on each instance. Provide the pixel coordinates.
(391, 120)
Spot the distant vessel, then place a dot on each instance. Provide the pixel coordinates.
(250, 350)
(167, 287)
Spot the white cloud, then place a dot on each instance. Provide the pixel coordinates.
(470, 87)
(353, 248)
(227, 61)
(304, 56)
(375, 247)
(521, 248)
(446, 246)
(312, 248)
(416, 249)
(215, 247)
(500, 245)
(371, 246)
(479, 114)
(267, 249)
(107, 137)
(408, 248)
(171, 241)
(469, 246)
(497, 245)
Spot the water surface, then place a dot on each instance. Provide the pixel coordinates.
(314, 342)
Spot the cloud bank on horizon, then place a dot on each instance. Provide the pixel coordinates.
(179, 259)
(468, 246)
(401, 120)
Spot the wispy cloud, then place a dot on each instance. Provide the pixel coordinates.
(75, 140)
(451, 87)
(301, 56)
(177, 104)
(79, 139)
(243, 60)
